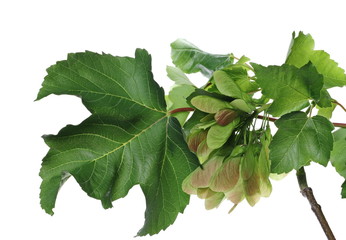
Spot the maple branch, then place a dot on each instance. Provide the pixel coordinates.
(307, 192)
(342, 125)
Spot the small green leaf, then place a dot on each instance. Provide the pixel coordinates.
(333, 75)
(340, 134)
(195, 118)
(338, 155)
(178, 76)
(228, 86)
(209, 104)
(290, 87)
(190, 59)
(300, 49)
(299, 140)
(343, 191)
(325, 100)
(326, 112)
(241, 105)
(177, 96)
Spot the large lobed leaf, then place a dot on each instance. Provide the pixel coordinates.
(300, 140)
(129, 139)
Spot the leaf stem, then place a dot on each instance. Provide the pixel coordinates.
(307, 192)
(340, 105)
(342, 125)
(186, 109)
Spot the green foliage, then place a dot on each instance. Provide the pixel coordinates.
(129, 139)
(299, 140)
(302, 51)
(224, 150)
(190, 59)
(338, 156)
(290, 87)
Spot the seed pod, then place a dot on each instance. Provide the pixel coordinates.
(238, 151)
(248, 165)
(225, 116)
(236, 195)
(252, 189)
(203, 151)
(194, 139)
(227, 176)
(265, 187)
(208, 104)
(201, 177)
(214, 201)
(204, 193)
(218, 135)
(187, 187)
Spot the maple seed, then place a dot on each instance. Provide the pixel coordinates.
(225, 116)
(195, 139)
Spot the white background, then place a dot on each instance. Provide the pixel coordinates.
(35, 34)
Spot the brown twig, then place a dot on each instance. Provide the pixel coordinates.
(315, 207)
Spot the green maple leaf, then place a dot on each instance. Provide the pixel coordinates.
(338, 156)
(300, 140)
(191, 59)
(302, 51)
(129, 139)
(289, 86)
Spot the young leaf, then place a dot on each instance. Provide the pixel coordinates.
(338, 155)
(299, 140)
(290, 87)
(129, 139)
(343, 190)
(302, 51)
(177, 96)
(340, 134)
(178, 76)
(333, 75)
(228, 86)
(326, 112)
(190, 59)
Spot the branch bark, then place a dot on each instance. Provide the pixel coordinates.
(307, 192)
